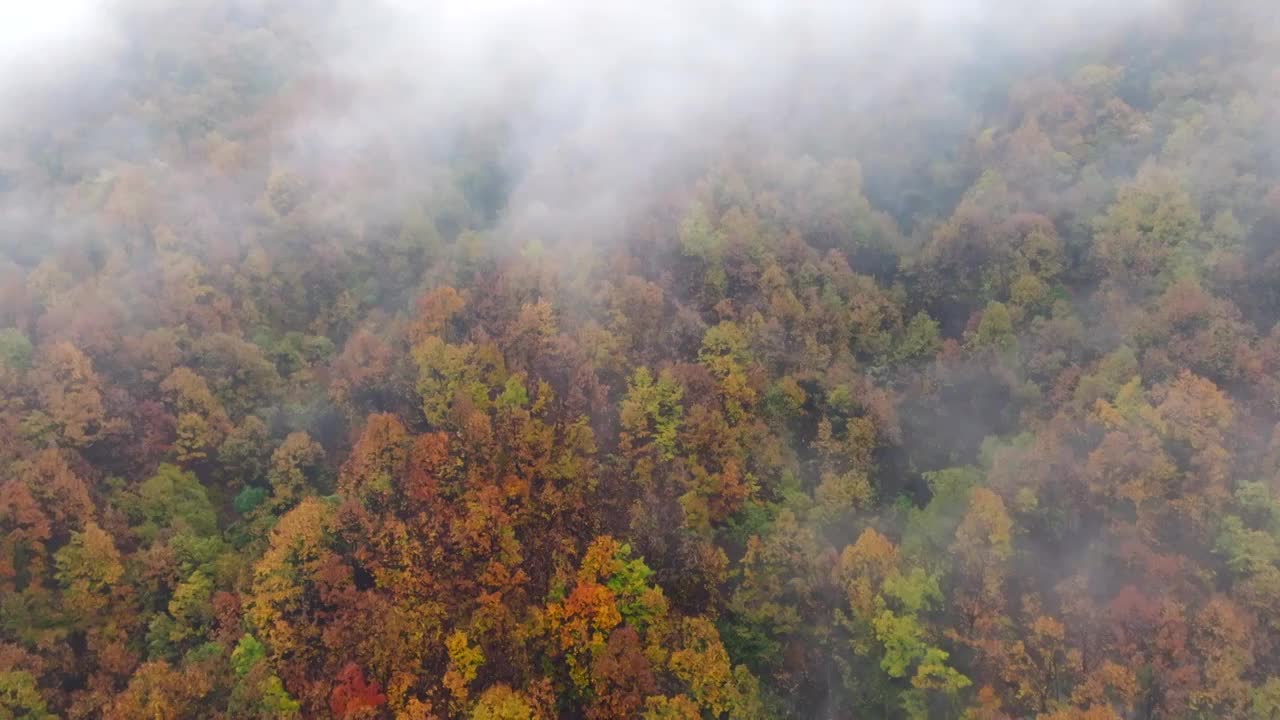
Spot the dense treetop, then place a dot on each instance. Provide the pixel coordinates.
(963, 405)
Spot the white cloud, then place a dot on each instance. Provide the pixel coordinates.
(45, 42)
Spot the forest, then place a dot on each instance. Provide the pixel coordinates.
(419, 361)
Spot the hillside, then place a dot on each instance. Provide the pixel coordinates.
(399, 360)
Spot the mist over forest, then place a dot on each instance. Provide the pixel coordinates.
(381, 359)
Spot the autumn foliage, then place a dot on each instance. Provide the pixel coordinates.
(983, 427)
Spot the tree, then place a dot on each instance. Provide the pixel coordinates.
(172, 499)
(89, 567)
(378, 462)
(353, 695)
(159, 690)
(500, 702)
(703, 664)
(701, 240)
(20, 698)
(258, 692)
(202, 421)
(15, 349)
(1150, 221)
(622, 677)
(237, 372)
(243, 454)
(995, 329)
(983, 547)
(464, 664)
(652, 413)
(293, 469)
(278, 608)
(70, 394)
(864, 568)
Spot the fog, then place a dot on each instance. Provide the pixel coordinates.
(738, 284)
(592, 108)
(585, 104)
(46, 42)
